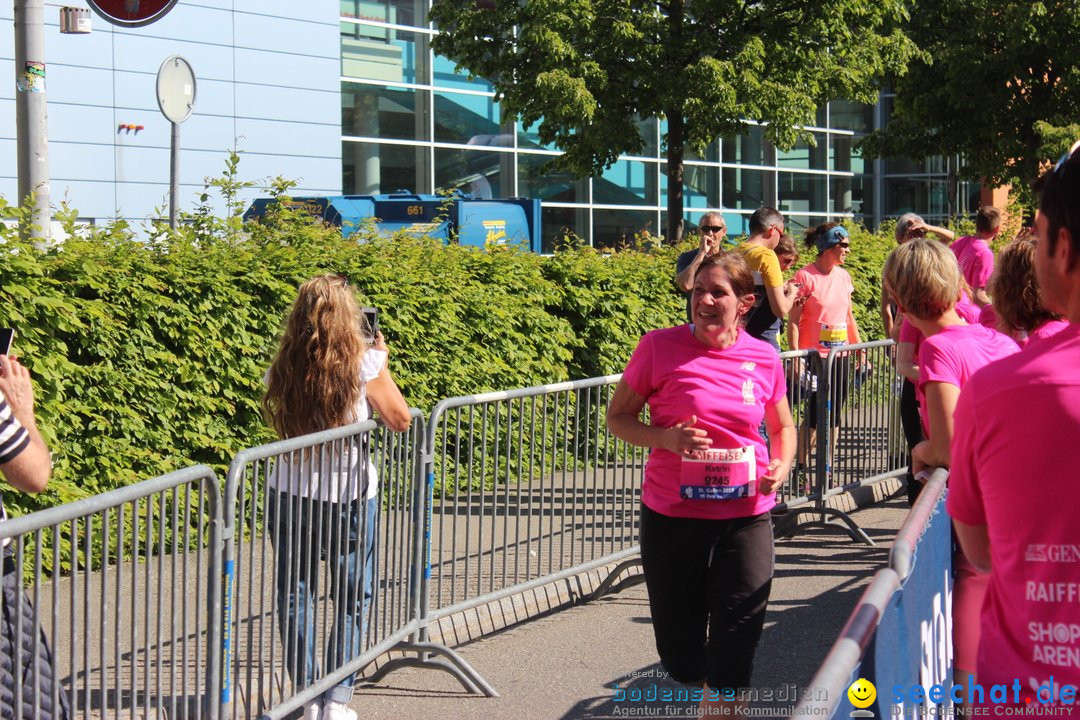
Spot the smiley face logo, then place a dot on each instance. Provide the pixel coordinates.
(862, 693)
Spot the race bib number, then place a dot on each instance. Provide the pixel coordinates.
(718, 475)
(833, 335)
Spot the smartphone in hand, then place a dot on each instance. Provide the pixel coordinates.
(370, 325)
(7, 336)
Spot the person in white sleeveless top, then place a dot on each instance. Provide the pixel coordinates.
(324, 503)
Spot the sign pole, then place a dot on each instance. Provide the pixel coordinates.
(174, 175)
(31, 116)
(176, 98)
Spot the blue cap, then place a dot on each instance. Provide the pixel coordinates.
(833, 237)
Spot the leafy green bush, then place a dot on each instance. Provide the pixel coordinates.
(611, 300)
(148, 355)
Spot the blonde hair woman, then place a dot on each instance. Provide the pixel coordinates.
(324, 376)
(926, 282)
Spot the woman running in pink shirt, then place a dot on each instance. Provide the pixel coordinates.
(925, 281)
(710, 481)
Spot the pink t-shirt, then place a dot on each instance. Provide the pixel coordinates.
(1014, 461)
(976, 260)
(727, 390)
(988, 317)
(967, 309)
(1047, 330)
(954, 354)
(824, 320)
(910, 334)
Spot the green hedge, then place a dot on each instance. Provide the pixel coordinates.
(148, 355)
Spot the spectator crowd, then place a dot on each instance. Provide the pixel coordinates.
(989, 352)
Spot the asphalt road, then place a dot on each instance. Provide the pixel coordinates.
(591, 660)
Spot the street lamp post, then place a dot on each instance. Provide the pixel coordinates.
(31, 115)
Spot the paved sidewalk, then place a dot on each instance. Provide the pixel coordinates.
(566, 664)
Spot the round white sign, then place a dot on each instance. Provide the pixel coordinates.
(176, 89)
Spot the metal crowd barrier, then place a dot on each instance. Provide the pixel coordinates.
(125, 587)
(527, 487)
(842, 665)
(902, 554)
(858, 440)
(498, 494)
(801, 370)
(295, 552)
(869, 441)
(832, 680)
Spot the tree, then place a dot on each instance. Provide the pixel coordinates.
(999, 84)
(586, 71)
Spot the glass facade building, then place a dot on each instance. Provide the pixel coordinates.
(346, 96)
(267, 84)
(410, 122)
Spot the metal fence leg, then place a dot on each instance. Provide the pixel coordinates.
(608, 582)
(470, 679)
(789, 525)
(456, 665)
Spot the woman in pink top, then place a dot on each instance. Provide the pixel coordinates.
(925, 281)
(825, 320)
(710, 481)
(1015, 290)
(910, 339)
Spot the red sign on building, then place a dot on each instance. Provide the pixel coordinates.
(131, 13)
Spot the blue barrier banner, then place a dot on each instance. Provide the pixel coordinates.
(913, 643)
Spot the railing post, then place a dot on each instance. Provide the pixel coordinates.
(423, 487)
(227, 584)
(215, 608)
(824, 412)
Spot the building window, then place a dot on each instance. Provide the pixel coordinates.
(547, 184)
(383, 112)
(480, 173)
(370, 168)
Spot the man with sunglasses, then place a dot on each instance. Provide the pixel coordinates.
(773, 298)
(1014, 458)
(713, 230)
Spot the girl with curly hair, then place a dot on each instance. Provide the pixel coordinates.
(1015, 289)
(324, 502)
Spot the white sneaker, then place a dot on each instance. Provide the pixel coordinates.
(337, 711)
(312, 710)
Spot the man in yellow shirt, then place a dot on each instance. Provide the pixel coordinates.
(772, 298)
